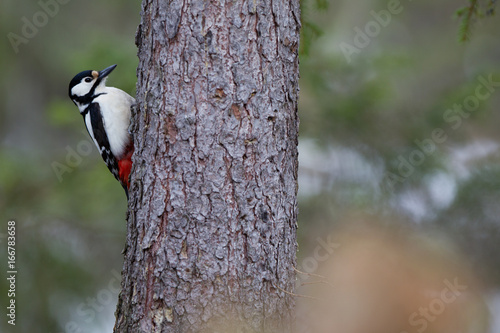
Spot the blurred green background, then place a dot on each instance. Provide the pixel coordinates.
(367, 121)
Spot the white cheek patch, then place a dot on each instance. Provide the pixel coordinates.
(81, 89)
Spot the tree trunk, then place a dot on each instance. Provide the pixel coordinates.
(212, 214)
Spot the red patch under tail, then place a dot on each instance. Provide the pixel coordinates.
(124, 167)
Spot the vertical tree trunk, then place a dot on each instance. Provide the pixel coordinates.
(212, 214)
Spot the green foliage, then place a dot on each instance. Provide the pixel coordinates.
(310, 31)
(468, 15)
(388, 100)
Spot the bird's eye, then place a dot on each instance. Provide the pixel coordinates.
(88, 79)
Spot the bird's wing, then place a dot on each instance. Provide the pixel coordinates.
(98, 133)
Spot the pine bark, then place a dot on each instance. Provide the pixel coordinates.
(212, 213)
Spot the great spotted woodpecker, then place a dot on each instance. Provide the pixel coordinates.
(106, 113)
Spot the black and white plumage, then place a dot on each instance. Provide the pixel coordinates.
(106, 113)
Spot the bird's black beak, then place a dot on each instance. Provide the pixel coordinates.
(105, 72)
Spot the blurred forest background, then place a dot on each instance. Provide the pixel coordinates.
(389, 165)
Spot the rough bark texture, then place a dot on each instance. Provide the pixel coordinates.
(212, 214)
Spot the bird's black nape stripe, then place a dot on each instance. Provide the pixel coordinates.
(87, 99)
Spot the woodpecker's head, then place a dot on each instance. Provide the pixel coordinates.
(85, 86)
